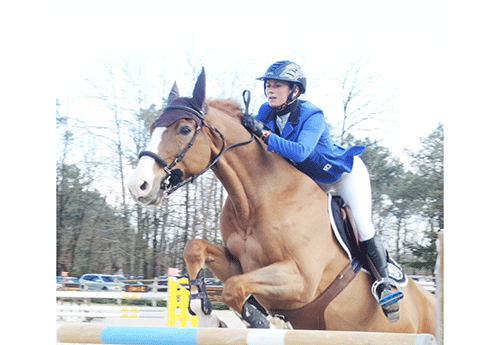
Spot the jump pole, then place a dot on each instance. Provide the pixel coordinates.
(95, 334)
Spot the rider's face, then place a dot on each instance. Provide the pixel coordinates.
(277, 92)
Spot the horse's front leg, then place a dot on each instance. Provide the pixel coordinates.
(281, 281)
(197, 254)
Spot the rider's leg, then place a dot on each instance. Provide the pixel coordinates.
(375, 251)
(355, 190)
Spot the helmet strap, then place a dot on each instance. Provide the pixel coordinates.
(290, 97)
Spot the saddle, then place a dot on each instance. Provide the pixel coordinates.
(346, 233)
(311, 316)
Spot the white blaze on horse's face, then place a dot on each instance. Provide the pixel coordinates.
(144, 184)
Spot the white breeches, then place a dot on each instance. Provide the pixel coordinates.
(355, 189)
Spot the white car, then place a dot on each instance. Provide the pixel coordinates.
(96, 281)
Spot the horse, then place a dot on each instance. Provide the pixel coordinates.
(278, 252)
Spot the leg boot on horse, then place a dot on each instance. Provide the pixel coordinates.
(199, 303)
(388, 300)
(197, 254)
(238, 287)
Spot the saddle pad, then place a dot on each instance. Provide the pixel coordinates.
(346, 239)
(345, 236)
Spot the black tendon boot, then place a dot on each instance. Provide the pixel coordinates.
(253, 314)
(381, 289)
(202, 295)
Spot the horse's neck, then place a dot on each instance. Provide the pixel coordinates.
(249, 173)
(245, 177)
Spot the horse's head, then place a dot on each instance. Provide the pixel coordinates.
(178, 150)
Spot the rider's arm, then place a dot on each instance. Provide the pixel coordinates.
(300, 146)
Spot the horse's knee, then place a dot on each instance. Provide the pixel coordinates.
(234, 294)
(194, 250)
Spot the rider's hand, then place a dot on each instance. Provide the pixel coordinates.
(255, 126)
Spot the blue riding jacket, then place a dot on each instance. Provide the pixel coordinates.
(305, 140)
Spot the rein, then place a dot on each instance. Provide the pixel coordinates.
(173, 180)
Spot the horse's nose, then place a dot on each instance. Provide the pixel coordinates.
(139, 187)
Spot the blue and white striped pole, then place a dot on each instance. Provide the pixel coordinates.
(224, 336)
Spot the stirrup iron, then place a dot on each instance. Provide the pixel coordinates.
(389, 299)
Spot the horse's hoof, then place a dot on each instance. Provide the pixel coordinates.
(279, 323)
(253, 318)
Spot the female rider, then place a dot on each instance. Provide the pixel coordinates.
(297, 130)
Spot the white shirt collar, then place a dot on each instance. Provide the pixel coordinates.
(281, 121)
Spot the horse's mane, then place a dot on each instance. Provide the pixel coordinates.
(228, 106)
(232, 109)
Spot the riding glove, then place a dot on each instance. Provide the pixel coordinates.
(255, 126)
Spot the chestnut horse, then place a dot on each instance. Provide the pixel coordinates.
(278, 243)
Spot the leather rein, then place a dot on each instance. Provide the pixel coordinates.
(173, 180)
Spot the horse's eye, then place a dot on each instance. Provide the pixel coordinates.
(185, 130)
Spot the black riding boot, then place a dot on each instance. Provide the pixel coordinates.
(375, 251)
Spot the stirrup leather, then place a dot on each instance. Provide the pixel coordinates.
(390, 299)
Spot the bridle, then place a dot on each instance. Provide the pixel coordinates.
(173, 179)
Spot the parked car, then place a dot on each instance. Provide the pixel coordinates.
(96, 281)
(121, 282)
(69, 281)
(163, 284)
(119, 277)
(213, 282)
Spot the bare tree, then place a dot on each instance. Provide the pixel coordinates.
(365, 102)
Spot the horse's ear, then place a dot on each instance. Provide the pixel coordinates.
(199, 89)
(174, 93)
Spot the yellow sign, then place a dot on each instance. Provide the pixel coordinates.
(178, 301)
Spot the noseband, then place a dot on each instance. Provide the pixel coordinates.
(173, 180)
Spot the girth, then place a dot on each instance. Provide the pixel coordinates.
(312, 315)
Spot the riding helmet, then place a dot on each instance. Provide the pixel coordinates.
(287, 71)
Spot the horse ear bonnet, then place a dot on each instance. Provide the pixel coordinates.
(196, 102)
(174, 94)
(199, 90)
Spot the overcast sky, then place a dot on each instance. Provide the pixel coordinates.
(402, 39)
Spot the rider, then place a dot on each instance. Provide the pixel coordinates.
(296, 129)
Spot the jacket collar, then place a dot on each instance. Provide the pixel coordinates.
(294, 116)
